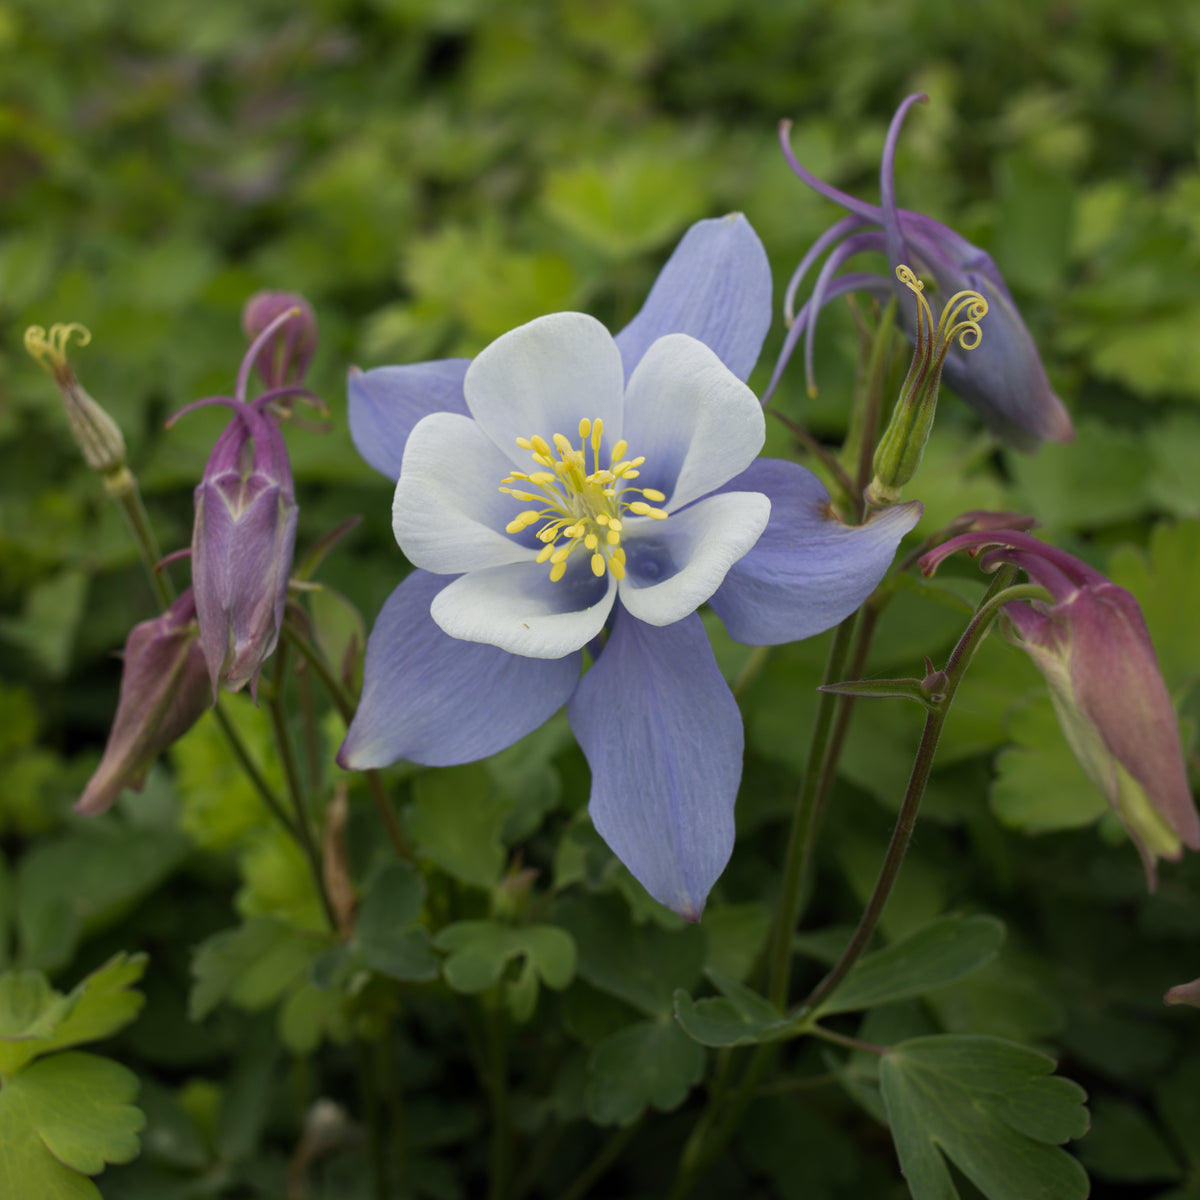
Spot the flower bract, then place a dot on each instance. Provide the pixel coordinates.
(567, 490)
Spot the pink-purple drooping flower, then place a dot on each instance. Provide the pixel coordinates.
(1091, 645)
(1003, 379)
(164, 689)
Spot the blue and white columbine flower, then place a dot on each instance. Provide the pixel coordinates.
(566, 483)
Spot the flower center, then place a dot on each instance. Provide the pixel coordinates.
(581, 507)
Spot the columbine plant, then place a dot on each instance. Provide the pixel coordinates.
(528, 503)
(1004, 380)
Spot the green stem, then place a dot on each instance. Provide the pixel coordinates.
(960, 657)
(130, 499)
(873, 407)
(840, 1039)
(779, 951)
(596, 1169)
(497, 1074)
(347, 707)
(287, 758)
(241, 752)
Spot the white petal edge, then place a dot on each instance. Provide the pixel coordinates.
(448, 512)
(519, 609)
(697, 424)
(542, 378)
(706, 540)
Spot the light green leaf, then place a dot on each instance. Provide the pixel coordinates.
(650, 1064)
(62, 1118)
(456, 822)
(251, 966)
(990, 1106)
(941, 953)
(35, 1019)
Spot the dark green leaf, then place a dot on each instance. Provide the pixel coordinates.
(650, 1064)
(941, 953)
(993, 1108)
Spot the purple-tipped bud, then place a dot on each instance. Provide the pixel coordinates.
(242, 546)
(1092, 646)
(285, 356)
(164, 689)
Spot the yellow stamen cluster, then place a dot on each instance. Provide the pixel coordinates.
(583, 507)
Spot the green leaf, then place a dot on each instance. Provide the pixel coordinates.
(650, 1064)
(251, 966)
(1124, 1146)
(62, 1118)
(1039, 787)
(735, 934)
(941, 953)
(479, 951)
(640, 964)
(35, 1019)
(1165, 582)
(456, 819)
(990, 1106)
(386, 930)
(738, 1017)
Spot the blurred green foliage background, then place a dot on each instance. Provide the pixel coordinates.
(430, 173)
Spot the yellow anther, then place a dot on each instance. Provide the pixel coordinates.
(617, 567)
(597, 433)
(585, 427)
(525, 443)
(613, 539)
(591, 541)
(541, 446)
(545, 552)
(564, 447)
(632, 474)
(653, 494)
(642, 509)
(557, 571)
(560, 555)
(618, 451)
(597, 565)
(602, 518)
(614, 524)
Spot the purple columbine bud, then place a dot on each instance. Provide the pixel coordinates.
(242, 545)
(1092, 646)
(164, 689)
(1003, 380)
(284, 357)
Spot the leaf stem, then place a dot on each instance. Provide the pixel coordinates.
(960, 657)
(803, 828)
(287, 757)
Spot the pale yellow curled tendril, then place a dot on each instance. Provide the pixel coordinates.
(49, 350)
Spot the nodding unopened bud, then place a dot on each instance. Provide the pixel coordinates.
(242, 545)
(1094, 651)
(284, 358)
(164, 689)
(902, 446)
(96, 434)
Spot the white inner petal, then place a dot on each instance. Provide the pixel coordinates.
(674, 566)
(519, 609)
(540, 378)
(697, 424)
